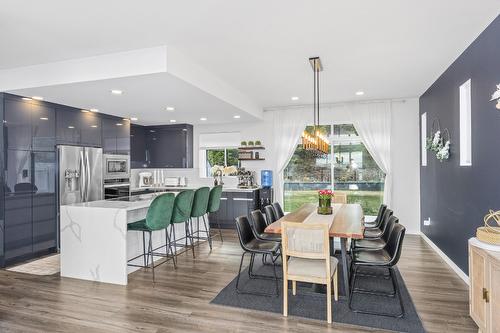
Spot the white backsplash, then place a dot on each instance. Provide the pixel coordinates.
(192, 175)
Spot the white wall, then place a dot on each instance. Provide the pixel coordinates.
(405, 164)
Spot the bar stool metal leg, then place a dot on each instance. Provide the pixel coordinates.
(207, 231)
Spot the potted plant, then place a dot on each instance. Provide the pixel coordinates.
(258, 143)
(325, 202)
(243, 143)
(250, 143)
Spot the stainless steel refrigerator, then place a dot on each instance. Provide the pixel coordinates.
(80, 174)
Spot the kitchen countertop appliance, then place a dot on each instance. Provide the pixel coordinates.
(116, 166)
(145, 179)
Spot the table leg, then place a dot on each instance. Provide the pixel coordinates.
(345, 268)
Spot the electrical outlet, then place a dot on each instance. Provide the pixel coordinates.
(428, 221)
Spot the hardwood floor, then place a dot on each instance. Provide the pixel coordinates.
(179, 300)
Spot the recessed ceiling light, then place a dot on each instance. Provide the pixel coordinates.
(203, 119)
(27, 99)
(360, 93)
(152, 131)
(237, 117)
(116, 92)
(170, 108)
(126, 119)
(119, 124)
(94, 126)
(173, 120)
(295, 98)
(134, 118)
(85, 111)
(94, 110)
(71, 127)
(38, 98)
(44, 118)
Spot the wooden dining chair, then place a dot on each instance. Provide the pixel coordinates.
(339, 198)
(306, 258)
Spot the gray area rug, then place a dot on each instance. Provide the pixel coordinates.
(310, 304)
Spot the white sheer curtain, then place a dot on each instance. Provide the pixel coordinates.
(373, 124)
(288, 126)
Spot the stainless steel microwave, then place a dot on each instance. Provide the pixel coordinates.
(116, 166)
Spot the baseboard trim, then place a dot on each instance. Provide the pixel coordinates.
(450, 262)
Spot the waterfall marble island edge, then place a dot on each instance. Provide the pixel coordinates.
(95, 244)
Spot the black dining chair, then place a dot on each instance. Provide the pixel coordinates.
(270, 214)
(375, 243)
(377, 232)
(387, 257)
(259, 226)
(250, 244)
(378, 220)
(277, 210)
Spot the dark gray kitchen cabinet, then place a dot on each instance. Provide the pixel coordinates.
(138, 150)
(115, 135)
(43, 124)
(44, 201)
(75, 127)
(234, 204)
(18, 201)
(17, 124)
(168, 146)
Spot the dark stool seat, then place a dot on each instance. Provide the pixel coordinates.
(372, 258)
(260, 246)
(270, 237)
(376, 243)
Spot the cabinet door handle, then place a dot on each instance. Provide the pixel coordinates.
(486, 297)
(242, 199)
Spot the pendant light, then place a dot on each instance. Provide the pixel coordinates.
(316, 142)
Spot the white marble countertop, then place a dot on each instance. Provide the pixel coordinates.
(135, 202)
(180, 188)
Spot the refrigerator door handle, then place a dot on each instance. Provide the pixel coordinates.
(83, 181)
(88, 176)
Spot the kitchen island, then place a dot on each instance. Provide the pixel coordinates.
(95, 244)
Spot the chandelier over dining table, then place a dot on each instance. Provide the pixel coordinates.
(316, 142)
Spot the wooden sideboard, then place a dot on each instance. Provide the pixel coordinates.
(484, 290)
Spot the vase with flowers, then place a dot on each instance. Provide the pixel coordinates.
(325, 202)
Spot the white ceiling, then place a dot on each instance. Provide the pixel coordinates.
(387, 48)
(145, 97)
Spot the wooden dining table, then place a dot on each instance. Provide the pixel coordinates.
(346, 222)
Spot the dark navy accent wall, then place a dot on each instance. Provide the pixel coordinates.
(455, 197)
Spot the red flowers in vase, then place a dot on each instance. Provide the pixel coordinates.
(325, 194)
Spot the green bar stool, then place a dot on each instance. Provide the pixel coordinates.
(183, 205)
(157, 218)
(214, 204)
(200, 208)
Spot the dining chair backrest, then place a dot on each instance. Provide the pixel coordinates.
(388, 228)
(245, 234)
(214, 199)
(160, 211)
(380, 214)
(277, 210)
(182, 206)
(258, 221)
(395, 243)
(305, 240)
(387, 215)
(339, 198)
(200, 202)
(270, 214)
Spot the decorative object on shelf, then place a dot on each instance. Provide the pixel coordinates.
(218, 177)
(245, 155)
(230, 171)
(251, 143)
(243, 143)
(315, 142)
(325, 202)
(490, 234)
(258, 143)
(496, 96)
(257, 155)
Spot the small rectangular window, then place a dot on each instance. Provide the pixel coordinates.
(465, 124)
(423, 137)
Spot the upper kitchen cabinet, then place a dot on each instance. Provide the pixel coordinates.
(169, 146)
(138, 151)
(29, 124)
(115, 135)
(77, 127)
(17, 124)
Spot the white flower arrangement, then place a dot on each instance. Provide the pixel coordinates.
(435, 143)
(444, 152)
